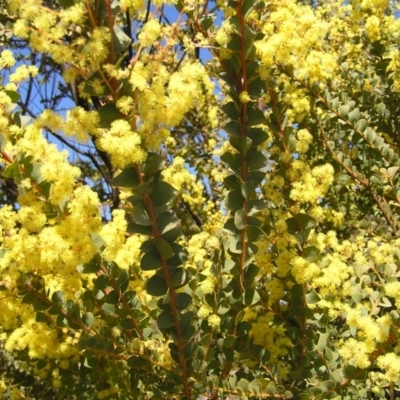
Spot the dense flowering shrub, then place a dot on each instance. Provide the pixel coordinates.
(232, 228)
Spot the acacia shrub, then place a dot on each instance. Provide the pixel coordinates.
(256, 257)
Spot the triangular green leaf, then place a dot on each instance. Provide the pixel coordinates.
(255, 117)
(162, 193)
(156, 286)
(179, 278)
(150, 261)
(182, 300)
(140, 215)
(165, 320)
(108, 114)
(121, 40)
(169, 226)
(254, 233)
(153, 164)
(127, 178)
(164, 249)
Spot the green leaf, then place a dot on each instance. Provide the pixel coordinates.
(169, 226)
(140, 229)
(257, 135)
(327, 386)
(251, 272)
(235, 43)
(140, 215)
(256, 87)
(28, 298)
(162, 193)
(186, 319)
(180, 255)
(361, 125)
(243, 384)
(234, 200)
(240, 219)
(153, 164)
(55, 309)
(179, 278)
(156, 286)
(121, 40)
(305, 221)
(41, 317)
(255, 386)
(14, 96)
(256, 205)
(232, 128)
(344, 110)
(370, 135)
(256, 177)
(250, 297)
(92, 266)
(34, 170)
(58, 297)
(142, 190)
(127, 178)
(252, 67)
(300, 222)
(233, 182)
(381, 108)
(88, 319)
(254, 233)
(247, 189)
(310, 253)
(354, 115)
(241, 144)
(207, 21)
(164, 249)
(230, 110)
(138, 362)
(312, 297)
(249, 42)
(255, 117)
(255, 159)
(108, 114)
(12, 171)
(247, 7)
(182, 300)
(234, 161)
(112, 297)
(127, 323)
(189, 349)
(66, 3)
(41, 305)
(165, 320)
(45, 188)
(150, 261)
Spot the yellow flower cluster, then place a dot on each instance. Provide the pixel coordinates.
(309, 185)
(163, 98)
(123, 251)
(273, 338)
(150, 33)
(390, 363)
(7, 59)
(122, 144)
(41, 341)
(293, 37)
(355, 353)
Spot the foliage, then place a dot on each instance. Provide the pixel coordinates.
(251, 245)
